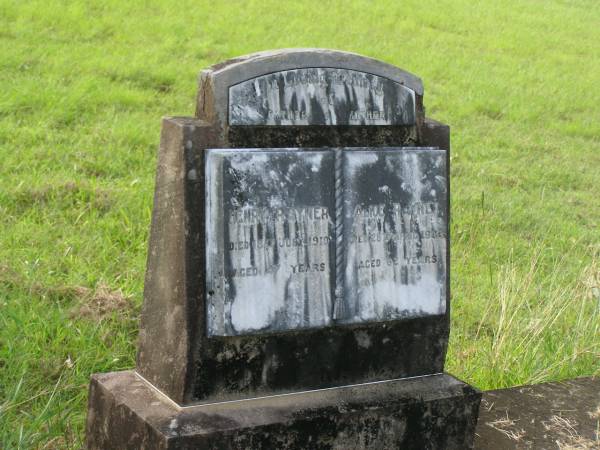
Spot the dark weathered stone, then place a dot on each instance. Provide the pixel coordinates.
(321, 96)
(322, 136)
(550, 416)
(248, 366)
(174, 284)
(176, 354)
(193, 352)
(432, 412)
(435, 134)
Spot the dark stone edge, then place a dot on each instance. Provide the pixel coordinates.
(280, 59)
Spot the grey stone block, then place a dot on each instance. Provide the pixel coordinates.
(432, 412)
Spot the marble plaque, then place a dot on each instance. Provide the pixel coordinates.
(321, 96)
(269, 245)
(395, 235)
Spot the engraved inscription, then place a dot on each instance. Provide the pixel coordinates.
(395, 223)
(321, 96)
(303, 238)
(269, 240)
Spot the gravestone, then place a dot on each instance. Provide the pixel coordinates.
(297, 284)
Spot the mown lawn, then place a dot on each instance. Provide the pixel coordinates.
(82, 91)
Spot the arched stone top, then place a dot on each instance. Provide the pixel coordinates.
(221, 82)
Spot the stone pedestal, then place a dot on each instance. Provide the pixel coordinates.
(128, 413)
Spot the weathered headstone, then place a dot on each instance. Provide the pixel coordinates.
(297, 288)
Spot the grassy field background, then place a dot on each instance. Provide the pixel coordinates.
(83, 86)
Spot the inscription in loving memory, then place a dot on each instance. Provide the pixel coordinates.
(271, 237)
(321, 96)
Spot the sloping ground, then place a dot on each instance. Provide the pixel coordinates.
(82, 90)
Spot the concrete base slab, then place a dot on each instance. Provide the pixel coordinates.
(429, 412)
(550, 416)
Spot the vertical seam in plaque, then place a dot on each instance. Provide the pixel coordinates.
(209, 284)
(446, 160)
(224, 285)
(339, 234)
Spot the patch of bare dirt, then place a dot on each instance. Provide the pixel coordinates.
(69, 193)
(93, 304)
(99, 303)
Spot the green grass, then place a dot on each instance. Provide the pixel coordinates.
(82, 91)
